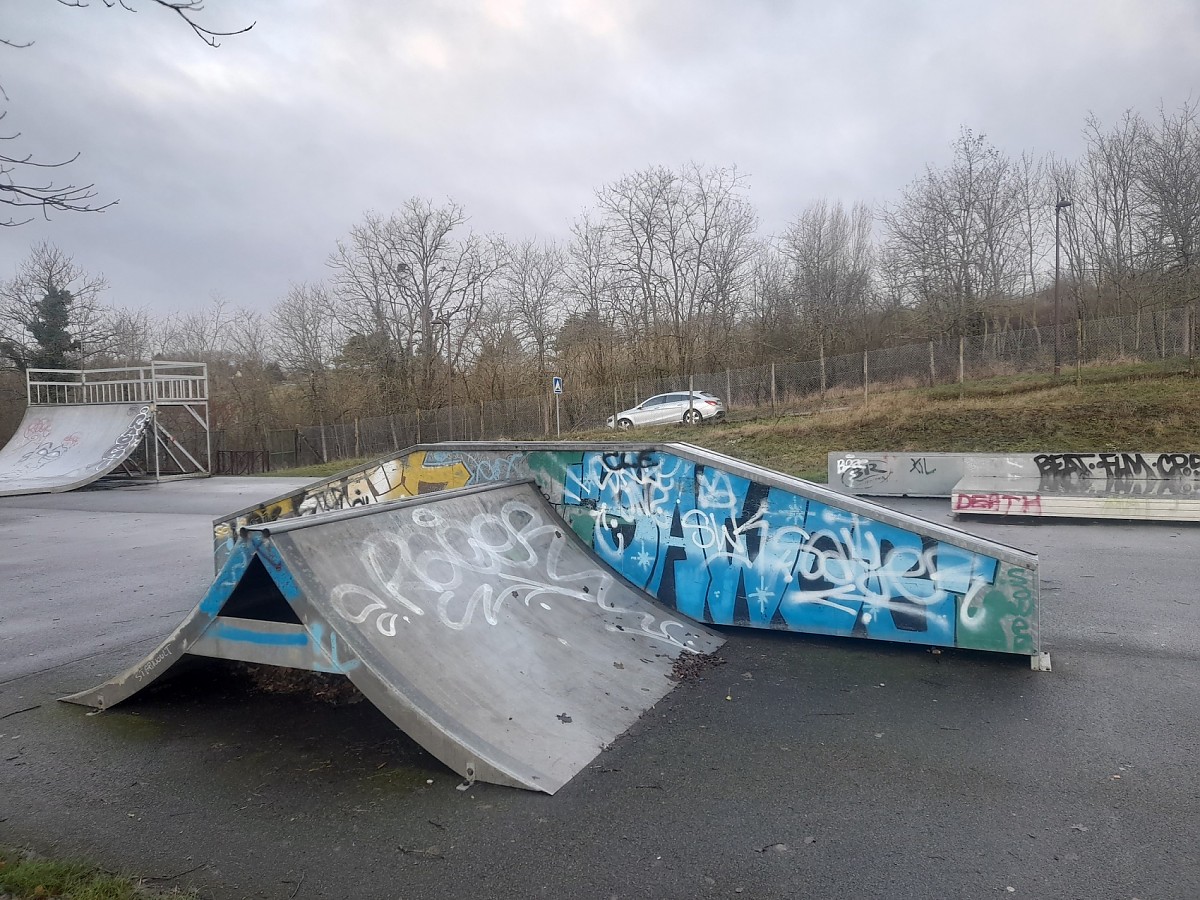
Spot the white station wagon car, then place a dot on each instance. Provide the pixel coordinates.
(663, 409)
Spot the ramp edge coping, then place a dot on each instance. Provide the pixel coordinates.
(282, 526)
(868, 509)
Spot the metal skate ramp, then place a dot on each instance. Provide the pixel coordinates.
(61, 448)
(476, 620)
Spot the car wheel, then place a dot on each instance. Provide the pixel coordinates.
(624, 424)
(693, 417)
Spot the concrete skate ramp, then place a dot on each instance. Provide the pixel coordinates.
(475, 620)
(1113, 485)
(60, 448)
(724, 542)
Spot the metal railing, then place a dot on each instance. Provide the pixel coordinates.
(162, 382)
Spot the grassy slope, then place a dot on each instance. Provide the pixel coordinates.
(1115, 408)
(1112, 410)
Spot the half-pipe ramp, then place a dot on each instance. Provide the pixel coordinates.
(60, 448)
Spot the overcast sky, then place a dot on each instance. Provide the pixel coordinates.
(238, 168)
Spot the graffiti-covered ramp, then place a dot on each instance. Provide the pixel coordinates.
(724, 542)
(60, 448)
(475, 620)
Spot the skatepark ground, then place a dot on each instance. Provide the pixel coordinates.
(801, 767)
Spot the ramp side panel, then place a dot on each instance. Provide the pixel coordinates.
(60, 448)
(486, 631)
(728, 543)
(872, 474)
(177, 644)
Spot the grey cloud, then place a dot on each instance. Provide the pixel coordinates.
(238, 168)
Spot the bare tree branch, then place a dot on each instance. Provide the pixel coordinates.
(185, 9)
(17, 189)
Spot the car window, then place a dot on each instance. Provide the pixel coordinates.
(653, 401)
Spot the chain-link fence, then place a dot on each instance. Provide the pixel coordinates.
(764, 389)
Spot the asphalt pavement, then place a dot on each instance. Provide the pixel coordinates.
(800, 767)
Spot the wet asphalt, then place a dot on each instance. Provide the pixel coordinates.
(798, 767)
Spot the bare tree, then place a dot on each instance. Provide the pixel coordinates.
(1105, 208)
(202, 335)
(1032, 187)
(954, 236)
(531, 288)
(588, 342)
(413, 285)
(130, 338)
(830, 255)
(1168, 191)
(306, 337)
(45, 271)
(681, 244)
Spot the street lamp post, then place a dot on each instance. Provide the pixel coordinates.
(444, 321)
(1058, 208)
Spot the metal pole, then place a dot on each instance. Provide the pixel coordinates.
(1078, 352)
(865, 376)
(1057, 351)
(1058, 208)
(821, 348)
(449, 385)
(557, 418)
(1191, 326)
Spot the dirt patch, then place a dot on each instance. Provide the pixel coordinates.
(336, 690)
(690, 666)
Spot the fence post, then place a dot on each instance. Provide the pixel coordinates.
(1162, 345)
(728, 389)
(866, 395)
(1079, 353)
(932, 369)
(357, 439)
(324, 445)
(773, 389)
(821, 350)
(962, 369)
(1192, 339)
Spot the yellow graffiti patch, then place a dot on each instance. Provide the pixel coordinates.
(419, 478)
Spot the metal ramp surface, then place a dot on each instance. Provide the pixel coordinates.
(475, 620)
(60, 448)
(724, 542)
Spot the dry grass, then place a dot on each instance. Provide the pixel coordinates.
(1121, 406)
(1115, 408)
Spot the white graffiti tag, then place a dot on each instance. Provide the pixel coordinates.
(472, 570)
(124, 443)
